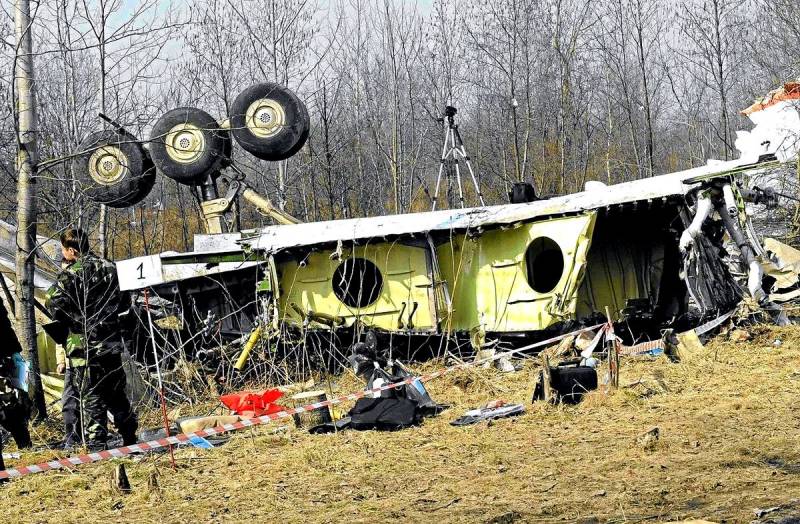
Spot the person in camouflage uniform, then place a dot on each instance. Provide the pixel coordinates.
(14, 403)
(87, 299)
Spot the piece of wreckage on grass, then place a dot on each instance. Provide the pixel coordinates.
(284, 300)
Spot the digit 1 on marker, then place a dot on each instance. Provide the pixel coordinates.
(141, 271)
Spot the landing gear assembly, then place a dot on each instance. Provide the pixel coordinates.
(191, 147)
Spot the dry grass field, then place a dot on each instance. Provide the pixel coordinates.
(729, 442)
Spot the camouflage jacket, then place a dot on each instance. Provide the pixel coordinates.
(87, 299)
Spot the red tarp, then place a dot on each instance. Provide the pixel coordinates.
(253, 404)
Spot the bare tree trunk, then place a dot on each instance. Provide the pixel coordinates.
(639, 25)
(282, 185)
(609, 129)
(102, 229)
(65, 44)
(720, 74)
(26, 200)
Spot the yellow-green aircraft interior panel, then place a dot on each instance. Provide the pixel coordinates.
(517, 279)
(386, 286)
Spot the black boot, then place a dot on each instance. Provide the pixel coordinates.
(129, 439)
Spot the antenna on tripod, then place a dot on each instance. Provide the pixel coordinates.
(453, 150)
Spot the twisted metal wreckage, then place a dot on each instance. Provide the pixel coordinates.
(286, 299)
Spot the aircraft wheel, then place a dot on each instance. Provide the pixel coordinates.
(114, 169)
(269, 121)
(187, 144)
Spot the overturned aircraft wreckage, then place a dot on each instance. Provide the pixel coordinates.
(649, 252)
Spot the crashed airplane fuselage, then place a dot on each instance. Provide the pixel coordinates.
(648, 251)
(516, 268)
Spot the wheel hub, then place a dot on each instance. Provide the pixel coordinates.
(108, 165)
(265, 118)
(185, 143)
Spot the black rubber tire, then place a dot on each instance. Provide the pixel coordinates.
(288, 140)
(132, 187)
(211, 159)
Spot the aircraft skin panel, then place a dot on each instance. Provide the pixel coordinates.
(403, 301)
(273, 239)
(458, 260)
(155, 270)
(489, 278)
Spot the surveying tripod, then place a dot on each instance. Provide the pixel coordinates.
(452, 150)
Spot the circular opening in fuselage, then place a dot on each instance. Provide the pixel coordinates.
(357, 282)
(544, 261)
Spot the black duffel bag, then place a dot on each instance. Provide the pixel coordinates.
(385, 414)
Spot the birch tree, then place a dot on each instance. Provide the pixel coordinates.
(26, 197)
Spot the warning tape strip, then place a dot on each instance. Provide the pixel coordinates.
(184, 438)
(641, 348)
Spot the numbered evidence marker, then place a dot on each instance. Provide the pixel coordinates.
(139, 272)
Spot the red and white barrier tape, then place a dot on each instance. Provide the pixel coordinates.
(184, 438)
(641, 348)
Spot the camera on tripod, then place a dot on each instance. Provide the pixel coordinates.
(452, 152)
(449, 113)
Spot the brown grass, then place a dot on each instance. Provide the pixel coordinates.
(728, 444)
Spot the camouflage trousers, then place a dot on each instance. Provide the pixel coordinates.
(14, 412)
(70, 410)
(100, 388)
(14, 419)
